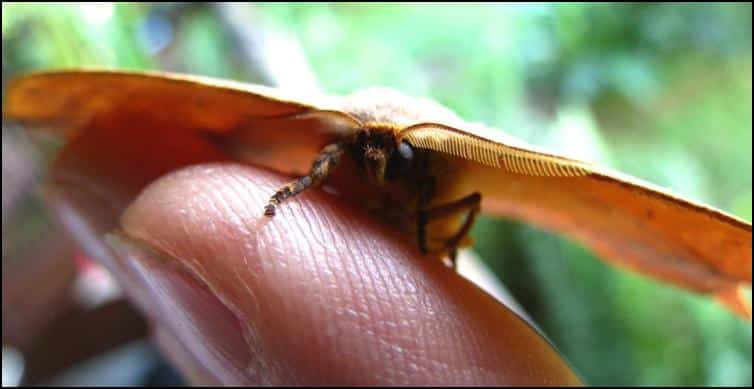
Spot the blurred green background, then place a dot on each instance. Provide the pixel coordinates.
(662, 92)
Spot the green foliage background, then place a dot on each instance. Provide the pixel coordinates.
(659, 91)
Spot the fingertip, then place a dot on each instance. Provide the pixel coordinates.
(323, 294)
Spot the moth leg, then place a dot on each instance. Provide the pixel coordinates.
(465, 228)
(426, 190)
(326, 161)
(471, 203)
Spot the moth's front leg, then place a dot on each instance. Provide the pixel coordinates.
(321, 168)
(470, 203)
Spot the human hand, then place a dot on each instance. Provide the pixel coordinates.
(320, 294)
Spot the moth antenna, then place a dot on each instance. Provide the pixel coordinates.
(449, 140)
(338, 115)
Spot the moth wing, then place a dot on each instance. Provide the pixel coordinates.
(254, 123)
(626, 221)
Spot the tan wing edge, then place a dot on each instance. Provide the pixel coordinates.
(449, 140)
(736, 300)
(68, 98)
(252, 123)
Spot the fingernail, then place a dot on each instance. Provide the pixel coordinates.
(183, 306)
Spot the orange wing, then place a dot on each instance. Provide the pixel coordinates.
(627, 221)
(251, 122)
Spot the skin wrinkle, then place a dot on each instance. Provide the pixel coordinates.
(399, 358)
(164, 244)
(207, 203)
(273, 270)
(196, 266)
(334, 233)
(456, 342)
(375, 329)
(453, 345)
(388, 280)
(434, 334)
(307, 228)
(276, 233)
(406, 307)
(247, 287)
(363, 310)
(244, 229)
(329, 228)
(384, 337)
(308, 222)
(315, 267)
(392, 288)
(350, 292)
(359, 296)
(470, 339)
(307, 251)
(373, 269)
(251, 340)
(352, 270)
(289, 277)
(409, 301)
(242, 226)
(444, 346)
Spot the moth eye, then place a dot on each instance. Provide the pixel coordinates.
(406, 151)
(400, 161)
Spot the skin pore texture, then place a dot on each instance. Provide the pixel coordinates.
(320, 294)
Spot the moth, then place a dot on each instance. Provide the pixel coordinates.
(415, 164)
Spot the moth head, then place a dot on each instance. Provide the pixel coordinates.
(375, 162)
(384, 156)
